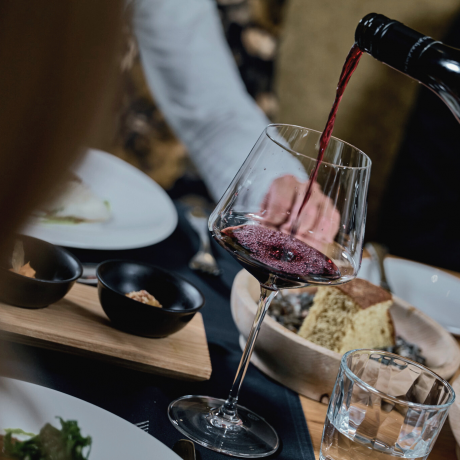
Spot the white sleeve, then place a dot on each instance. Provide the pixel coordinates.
(194, 79)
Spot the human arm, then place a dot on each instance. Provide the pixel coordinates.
(194, 79)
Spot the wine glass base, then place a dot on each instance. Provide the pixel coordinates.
(196, 417)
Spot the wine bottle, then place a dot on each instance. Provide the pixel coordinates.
(431, 62)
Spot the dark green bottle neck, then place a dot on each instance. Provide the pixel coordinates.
(391, 42)
(414, 54)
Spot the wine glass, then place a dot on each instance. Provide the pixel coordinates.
(263, 221)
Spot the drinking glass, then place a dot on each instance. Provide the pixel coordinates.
(256, 221)
(384, 406)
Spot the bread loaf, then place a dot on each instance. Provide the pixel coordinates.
(349, 316)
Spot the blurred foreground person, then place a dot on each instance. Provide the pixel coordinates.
(58, 70)
(58, 65)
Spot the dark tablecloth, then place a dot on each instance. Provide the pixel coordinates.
(142, 398)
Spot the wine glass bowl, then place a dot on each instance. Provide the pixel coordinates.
(288, 231)
(267, 193)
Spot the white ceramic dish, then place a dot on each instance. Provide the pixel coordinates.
(433, 291)
(310, 369)
(142, 213)
(29, 407)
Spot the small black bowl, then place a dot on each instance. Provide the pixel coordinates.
(179, 298)
(56, 272)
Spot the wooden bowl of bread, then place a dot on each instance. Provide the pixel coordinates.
(354, 315)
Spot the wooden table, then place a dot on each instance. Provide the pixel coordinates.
(315, 413)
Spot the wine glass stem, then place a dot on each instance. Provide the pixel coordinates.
(228, 410)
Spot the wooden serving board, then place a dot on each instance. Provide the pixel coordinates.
(77, 324)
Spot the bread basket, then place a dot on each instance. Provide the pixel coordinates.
(310, 369)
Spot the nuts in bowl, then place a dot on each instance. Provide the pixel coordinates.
(144, 297)
(35, 273)
(124, 285)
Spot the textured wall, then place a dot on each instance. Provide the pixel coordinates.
(317, 35)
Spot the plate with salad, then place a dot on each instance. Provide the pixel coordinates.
(105, 203)
(42, 424)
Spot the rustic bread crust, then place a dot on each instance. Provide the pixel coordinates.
(363, 293)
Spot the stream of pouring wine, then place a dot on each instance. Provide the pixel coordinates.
(347, 71)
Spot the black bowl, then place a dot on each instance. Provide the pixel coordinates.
(56, 272)
(179, 298)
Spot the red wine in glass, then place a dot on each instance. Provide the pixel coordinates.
(264, 251)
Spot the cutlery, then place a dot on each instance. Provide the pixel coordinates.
(378, 252)
(203, 260)
(185, 449)
(143, 425)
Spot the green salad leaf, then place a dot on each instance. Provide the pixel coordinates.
(50, 444)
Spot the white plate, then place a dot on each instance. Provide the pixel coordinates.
(142, 212)
(432, 291)
(27, 406)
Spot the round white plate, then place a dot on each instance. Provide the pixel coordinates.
(142, 212)
(29, 407)
(432, 291)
